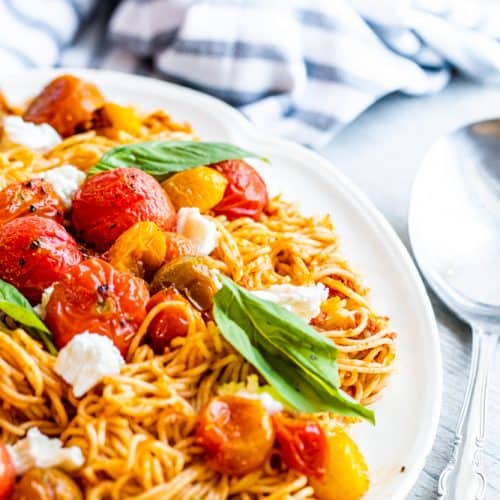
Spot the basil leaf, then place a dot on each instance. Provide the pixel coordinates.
(295, 359)
(16, 306)
(162, 158)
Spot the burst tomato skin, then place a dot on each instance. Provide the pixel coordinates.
(304, 444)
(236, 434)
(66, 103)
(7, 474)
(245, 194)
(33, 197)
(110, 202)
(97, 298)
(169, 323)
(35, 252)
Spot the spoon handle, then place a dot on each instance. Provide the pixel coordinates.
(464, 476)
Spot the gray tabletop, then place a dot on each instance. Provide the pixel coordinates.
(381, 152)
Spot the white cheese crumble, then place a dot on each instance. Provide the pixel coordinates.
(65, 180)
(271, 405)
(199, 229)
(38, 450)
(304, 301)
(86, 359)
(41, 309)
(39, 138)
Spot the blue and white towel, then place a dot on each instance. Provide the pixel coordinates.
(300, 68)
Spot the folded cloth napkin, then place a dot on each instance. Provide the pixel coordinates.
(298, 68)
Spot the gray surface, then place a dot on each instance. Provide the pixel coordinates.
(381, 152)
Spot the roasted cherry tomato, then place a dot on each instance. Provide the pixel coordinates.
(177, 246)
(246, 192)
(35, 252)
(201, 187)
(140, 250)
(346, 476)
(95, 297)
(169, 323)
(304, 446)
(66, 103)
(191, 276)
(110, 202)
(7, 474)
(33, 197)
(236, 434)
(112, 118)
(47, 484)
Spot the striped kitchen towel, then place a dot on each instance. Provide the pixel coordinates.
(299, 68)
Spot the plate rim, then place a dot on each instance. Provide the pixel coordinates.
(354, 193)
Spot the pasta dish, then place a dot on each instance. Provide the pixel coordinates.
(167, 329)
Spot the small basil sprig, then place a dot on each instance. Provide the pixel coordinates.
(295, 359)
(163, 158)
(16, 306)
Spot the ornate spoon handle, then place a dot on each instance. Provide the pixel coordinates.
(464, 477)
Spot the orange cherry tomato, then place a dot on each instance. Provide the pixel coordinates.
(177, 246)
(304, 445)
(7, 474)
(346, 476)
(35, 252)
(245, 194)
(95, 297)
(169, 323)
(66, 103)
(236, 434)
(33, 197)
(110, 202)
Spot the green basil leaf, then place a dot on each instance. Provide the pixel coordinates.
(163, 158)
(295, 359)
(16, 306)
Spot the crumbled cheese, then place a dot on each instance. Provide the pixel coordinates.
(251, 389)
(39, 138)
(304, 301)
(198, 228)
(38, 450)
(86, 359)
(41, 309)
(65, 180)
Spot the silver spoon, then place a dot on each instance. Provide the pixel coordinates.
(454, 226)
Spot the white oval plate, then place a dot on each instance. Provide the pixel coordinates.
(408, 413)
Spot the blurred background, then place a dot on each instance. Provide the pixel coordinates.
(370, 84)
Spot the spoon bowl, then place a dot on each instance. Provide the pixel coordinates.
(454, 226)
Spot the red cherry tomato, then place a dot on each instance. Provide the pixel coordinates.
(177, 246)
(95, 297)
(236, 434)
(246, 192)
(33, 197)
(169, 323)
(110, 202)
(66, 103)
(7, 474)
(35, 252)
(304, 445)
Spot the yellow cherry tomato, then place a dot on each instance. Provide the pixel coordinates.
(201, 187)
(140, 250)
(346, 476)
(111, 118)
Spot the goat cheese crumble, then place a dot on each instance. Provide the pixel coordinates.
(41, 309)
(65, 180)
(86, 359)
(304, 301)
(38, 450)
(197, 228)
(39, 138)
